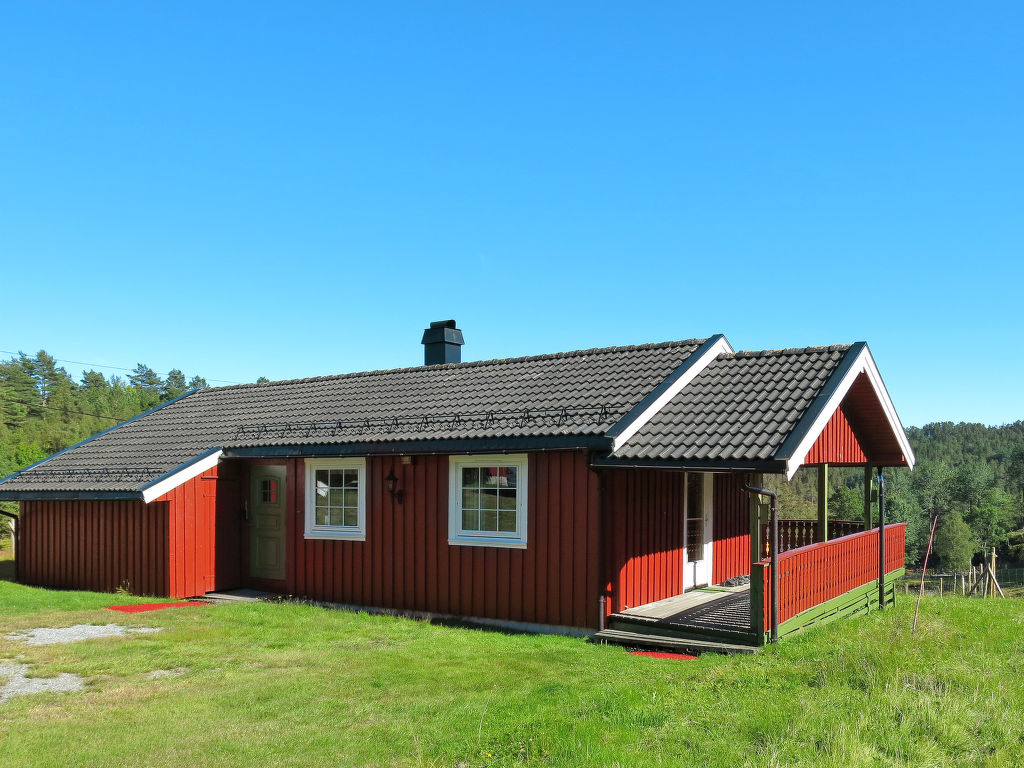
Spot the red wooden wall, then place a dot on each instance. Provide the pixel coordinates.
(165, 547)
(192, 535)
(837, 444)
(731, 530)
(643, 537)
(407, 563)
(94, 545)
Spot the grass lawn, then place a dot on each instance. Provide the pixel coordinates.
(280, 684)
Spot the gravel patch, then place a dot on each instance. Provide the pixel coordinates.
(159, 674)
(51, 635)
(20, 685)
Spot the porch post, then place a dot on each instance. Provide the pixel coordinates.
(757, 617)
(822, 531)
(881, 540)
(867, 497)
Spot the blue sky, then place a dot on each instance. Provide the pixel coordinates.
(246, 189)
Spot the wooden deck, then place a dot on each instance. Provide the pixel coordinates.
(703, 619)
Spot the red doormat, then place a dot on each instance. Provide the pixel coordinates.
(663, 655)
(143, 607)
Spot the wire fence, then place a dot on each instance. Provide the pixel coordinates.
(948, 582)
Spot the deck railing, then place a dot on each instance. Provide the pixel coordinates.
(812, 575)
(800, 533)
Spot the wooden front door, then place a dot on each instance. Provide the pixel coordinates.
(267, 515)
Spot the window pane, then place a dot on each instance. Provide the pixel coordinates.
(470, 477)
(512, 477)
(322, 516)
(335, 498)
(488, 499)
(489, 476)
(322, 477)
(337, 478)
(507, 520)
(351, 497)
(489, 520)
(351, 517)
(506, 499)
(470, 520)
(351, 478)
(471, 499)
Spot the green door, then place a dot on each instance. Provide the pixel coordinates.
(267, 523)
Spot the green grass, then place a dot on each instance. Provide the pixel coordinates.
(293, 685)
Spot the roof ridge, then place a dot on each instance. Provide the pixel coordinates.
(787, 351)
(468, 364)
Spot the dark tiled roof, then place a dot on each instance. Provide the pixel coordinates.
(741, 407)
(569, 394)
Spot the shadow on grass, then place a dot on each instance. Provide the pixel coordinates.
(6, 565)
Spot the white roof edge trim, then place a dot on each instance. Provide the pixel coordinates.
(865, 363)
(722, 346)
(183, 475)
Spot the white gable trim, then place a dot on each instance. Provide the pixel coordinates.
(864, 363)
(182, 475)
(695, 367)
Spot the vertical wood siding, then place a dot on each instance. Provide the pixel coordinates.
(837, 444)
(192, 539)
(165, 548)
(94, 545)
(643, 537)
(407, 563)
(731, 530)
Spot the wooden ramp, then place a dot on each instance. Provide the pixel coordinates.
(707, 619)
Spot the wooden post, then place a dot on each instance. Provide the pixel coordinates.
(992, 574)
(821, 534)
(867, 497)
(940, 586)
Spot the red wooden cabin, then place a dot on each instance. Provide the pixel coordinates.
(592, 490)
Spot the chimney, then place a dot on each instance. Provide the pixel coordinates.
(442, 343)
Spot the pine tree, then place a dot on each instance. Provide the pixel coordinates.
(954, 544)
(173, 386)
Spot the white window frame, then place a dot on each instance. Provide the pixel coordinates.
(335, 532)
(456, 534)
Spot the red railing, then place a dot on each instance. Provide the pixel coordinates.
(814, 574)
(800, 533)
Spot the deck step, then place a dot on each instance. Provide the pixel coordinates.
(693, 645)
(662, 628)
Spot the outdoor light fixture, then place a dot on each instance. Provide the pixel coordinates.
(391, 486)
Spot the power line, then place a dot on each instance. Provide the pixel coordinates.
(111, 367)
(65, 410)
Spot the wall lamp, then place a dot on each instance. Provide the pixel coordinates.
(391, 486)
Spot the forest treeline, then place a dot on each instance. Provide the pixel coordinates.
(970, 475)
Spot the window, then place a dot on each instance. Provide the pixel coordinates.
(487, 500)
(268, 491)
(336, 499)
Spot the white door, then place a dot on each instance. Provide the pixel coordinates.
(697, 548)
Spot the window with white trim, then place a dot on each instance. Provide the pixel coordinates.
(336, 499)
(487, 500)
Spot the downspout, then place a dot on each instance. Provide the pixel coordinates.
(773, 554)
(881, 541)
(601, 515)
